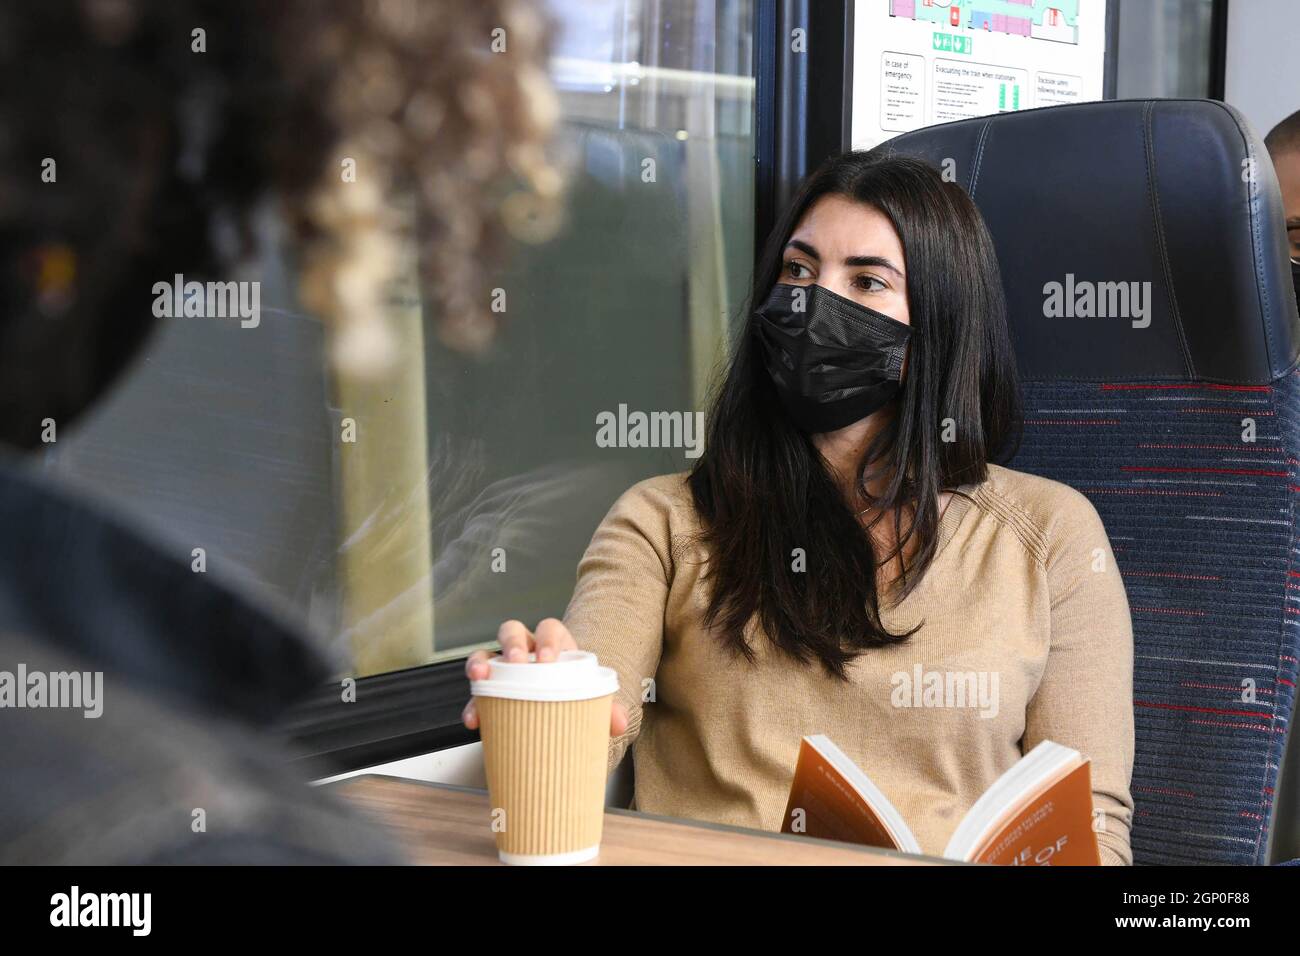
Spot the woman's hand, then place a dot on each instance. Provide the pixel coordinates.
(516, 642)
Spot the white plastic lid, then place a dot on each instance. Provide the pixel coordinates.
(575, 675)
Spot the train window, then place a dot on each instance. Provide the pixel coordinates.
(1166, 48)
(404, 519)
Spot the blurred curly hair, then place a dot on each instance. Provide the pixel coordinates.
(374, 127)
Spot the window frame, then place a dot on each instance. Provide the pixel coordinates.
(389, 717)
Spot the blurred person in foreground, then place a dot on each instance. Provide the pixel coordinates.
(137, 142)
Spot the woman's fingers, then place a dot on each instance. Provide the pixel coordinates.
(516, 641)
(552, 638)
(476, 665)
(476, 668)
(617, 719)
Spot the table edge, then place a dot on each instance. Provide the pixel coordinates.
(684, 821)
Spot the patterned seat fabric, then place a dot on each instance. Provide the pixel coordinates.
(1196, 484)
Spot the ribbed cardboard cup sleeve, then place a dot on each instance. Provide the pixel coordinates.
(546, 771)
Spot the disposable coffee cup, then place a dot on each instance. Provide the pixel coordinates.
(545, 731)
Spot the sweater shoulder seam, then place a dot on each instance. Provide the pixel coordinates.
(1014, 517)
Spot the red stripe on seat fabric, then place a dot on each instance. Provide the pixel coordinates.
(1220, 388)
(1213, 471)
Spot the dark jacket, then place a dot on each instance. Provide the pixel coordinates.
(180, 767)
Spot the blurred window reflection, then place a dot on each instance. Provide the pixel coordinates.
(476, 479)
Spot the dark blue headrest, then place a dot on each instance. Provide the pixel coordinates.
(1099, 201)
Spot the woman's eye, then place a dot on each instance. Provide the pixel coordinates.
(795, 270)
(869, 283)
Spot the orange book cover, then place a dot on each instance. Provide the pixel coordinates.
(1039, 813)
(823, 804)
(1052, 829)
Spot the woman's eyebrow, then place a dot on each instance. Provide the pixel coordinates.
(874, 261)
(804, 247)
(881, 261)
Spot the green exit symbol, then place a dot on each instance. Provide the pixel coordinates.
(950, 44)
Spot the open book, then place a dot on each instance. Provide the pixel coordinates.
(1038, 813)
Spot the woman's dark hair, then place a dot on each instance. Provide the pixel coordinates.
(761, 487)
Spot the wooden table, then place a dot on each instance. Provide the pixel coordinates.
(440, 824)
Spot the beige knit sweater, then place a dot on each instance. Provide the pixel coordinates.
(1023, 605)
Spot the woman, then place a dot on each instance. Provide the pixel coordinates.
(845, 537)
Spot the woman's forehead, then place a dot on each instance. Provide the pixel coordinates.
(846, 227)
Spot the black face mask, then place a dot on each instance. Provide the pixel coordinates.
(834, 361)
(1295, 278)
